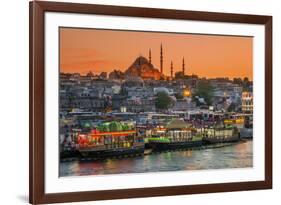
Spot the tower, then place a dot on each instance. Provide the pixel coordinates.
(172, 70)
(183, 67)
(161, 59)
(149, 56)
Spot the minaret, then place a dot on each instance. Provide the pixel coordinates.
(149, 56)
(161, 59)
(139, 60)
(172, 70)
(183, 67)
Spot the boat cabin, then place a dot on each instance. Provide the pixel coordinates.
(110, 136)
(178, 130)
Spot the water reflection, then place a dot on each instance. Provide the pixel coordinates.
(234, 156)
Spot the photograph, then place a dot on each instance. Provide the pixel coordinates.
(145, 102)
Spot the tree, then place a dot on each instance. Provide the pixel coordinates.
(246, 83)
(179, 75)
(163, 101)
(246, 80)
(194, 76)
(204, 90)
(237, 81)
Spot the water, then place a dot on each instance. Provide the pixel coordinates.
(232, 156)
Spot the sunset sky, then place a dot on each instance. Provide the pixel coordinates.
(84, 50)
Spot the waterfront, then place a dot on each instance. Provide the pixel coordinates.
(236, 155)
(127, 118)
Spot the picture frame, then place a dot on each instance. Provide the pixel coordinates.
(37, 109)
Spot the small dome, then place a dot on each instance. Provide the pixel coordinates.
(161, 89)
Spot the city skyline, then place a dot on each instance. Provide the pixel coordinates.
(211, 56)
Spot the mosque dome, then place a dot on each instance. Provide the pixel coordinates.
(144, 69)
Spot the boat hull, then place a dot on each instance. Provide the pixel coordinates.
(69, 154)
(112, 153)
(162, 146)
(214, 140)
(246, 133)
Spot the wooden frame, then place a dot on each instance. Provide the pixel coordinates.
(36, 150)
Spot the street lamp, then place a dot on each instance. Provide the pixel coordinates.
(186, 92)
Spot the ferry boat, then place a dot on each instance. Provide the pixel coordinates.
(220, 134)
(177, 134)
(244, 123)
(111, 139)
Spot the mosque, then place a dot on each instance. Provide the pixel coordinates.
(143, 68)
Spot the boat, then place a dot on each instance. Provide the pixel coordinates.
(246, 133)
(68, 152)
(244, 123)
(220, 134)
(177, 135)
(109, 140)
